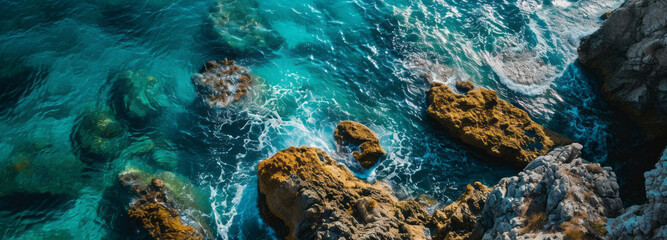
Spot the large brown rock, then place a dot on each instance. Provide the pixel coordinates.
(479, 118)
(360, 135)
(457, 220)
(630, 50)
(311, 196)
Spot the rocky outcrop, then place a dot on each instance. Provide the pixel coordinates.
(157, 207)
(458, 220)
(240, 26)
(311, 196)
(349, 132)
(556, 195)
(630, 50)
(646, 221)
(222, 83)
(479, 118)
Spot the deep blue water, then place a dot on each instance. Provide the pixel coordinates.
(355, 60)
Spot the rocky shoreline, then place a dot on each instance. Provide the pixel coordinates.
(315, 197)
(308, 195)
(303, 193)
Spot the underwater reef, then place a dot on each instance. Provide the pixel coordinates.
(141, 96)
(241, 27)
(158, 205)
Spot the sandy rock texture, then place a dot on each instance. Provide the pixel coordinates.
(159, 205)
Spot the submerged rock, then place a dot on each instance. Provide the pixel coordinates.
(481, 119)
(36, 167)
(222, 83)
(311, 196)
(158, 150)
(241, 27)
(140, 95)
(630, 50)
(98, 133)
(159, 205)
(645, 221)
(361, 136)
(458, 220)
(556, 196)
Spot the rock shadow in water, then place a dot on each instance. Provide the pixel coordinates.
(17, 79)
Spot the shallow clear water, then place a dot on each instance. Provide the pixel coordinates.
(355, 60)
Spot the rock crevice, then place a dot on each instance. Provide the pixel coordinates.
(646, 221)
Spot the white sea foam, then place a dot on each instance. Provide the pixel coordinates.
(528, 66)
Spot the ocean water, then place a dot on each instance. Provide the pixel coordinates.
(315, 62)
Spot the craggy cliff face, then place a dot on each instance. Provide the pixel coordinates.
(630, 50)
(556, 196)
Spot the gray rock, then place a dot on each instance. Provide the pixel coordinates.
(630, 49)
(646, 221)
(556, 195)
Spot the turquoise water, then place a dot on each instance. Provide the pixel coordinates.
(316, 63)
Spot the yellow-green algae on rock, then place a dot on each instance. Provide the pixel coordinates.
(360, 135)
(458, 219)
(314, 197)
(479, 118)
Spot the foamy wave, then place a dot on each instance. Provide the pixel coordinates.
(527, 65)
(522, 70)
